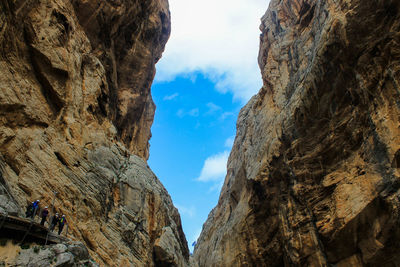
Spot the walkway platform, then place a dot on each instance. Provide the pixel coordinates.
(25, 229)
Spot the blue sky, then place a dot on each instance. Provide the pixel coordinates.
(208, 72)
(193, 123)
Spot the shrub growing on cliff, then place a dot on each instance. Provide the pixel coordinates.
(25, 246)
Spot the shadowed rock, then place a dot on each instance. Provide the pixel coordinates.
(312, 177)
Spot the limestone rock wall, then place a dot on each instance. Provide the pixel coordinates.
(75, 117)
(313, 177)
(86, 61)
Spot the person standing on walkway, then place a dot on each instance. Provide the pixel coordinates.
(54, 221)
(29, 210)
(35, 208)
(61, 223)
(45, 212)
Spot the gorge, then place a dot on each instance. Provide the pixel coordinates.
(313, 176)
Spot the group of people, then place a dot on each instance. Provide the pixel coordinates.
(33, 209)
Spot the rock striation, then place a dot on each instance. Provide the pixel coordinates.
(313, 177)
(75, 117)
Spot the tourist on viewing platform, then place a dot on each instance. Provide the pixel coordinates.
(61, 223)
(29, 210)
(45, 212)
(54, 221)
(35, 208)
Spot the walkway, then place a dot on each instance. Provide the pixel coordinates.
(24, 229)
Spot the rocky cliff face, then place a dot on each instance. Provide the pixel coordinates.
(68, 254)
(313, 178)
(75, 117)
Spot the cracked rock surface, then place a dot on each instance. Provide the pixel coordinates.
(71, 254)
(313, 177)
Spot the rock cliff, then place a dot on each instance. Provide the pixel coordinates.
(313, 177)
(75, 117)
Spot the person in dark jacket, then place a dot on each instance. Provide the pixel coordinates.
(61, 223)
(29, 210)
(45, 212)
(54, 221)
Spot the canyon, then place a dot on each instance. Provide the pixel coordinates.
(313, 176)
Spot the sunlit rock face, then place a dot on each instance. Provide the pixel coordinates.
(75, 117)
(313, 177)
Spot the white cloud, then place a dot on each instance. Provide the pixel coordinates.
(170, 97)
(229, 142)
(180, 113)
(226, 115)
(212, 108)
(218, 38)
(214, 168)
(191, 211)
(194, 112)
